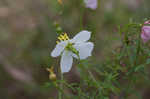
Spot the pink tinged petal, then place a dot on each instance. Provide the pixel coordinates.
(85, 49)
(58, 49)
(66, 61)
(91, 4)
(145, 34)
(82, 36)
(147, 22)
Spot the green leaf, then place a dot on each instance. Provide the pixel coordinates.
(138, 68)
(148, 61)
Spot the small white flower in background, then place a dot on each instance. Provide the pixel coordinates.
(91, 4)
(78, 47)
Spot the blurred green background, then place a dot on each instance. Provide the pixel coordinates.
(28, 35)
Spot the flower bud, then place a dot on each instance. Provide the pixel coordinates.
(52, 76)
(145, 34)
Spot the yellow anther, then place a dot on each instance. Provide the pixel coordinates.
(57, 42)
(60, 38)
(63, 37)
(66, 36)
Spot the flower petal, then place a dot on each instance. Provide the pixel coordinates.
(58, 49)
(145, 35)
(91, 4)
(85, 49)
(75, 56)
(82, 36)
(66, 61)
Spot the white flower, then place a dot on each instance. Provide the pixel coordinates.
(78, 44)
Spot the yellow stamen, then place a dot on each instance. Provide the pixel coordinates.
(59, 38)
(63, 37)
(66, 36)
(57, 42)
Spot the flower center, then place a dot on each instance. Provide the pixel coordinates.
(62, 37)
(71, 48)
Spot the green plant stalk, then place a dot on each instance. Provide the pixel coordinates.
(61, 87)
(90, 74)
(82, 15)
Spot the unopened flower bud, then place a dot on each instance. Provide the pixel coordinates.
(52, 76)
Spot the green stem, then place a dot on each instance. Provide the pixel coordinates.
(61, 87)
(91, 75)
